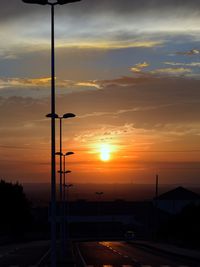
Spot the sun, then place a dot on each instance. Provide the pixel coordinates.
(105, 151)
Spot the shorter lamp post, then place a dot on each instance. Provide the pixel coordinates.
(69, 153)
(62, 217)
(64, 172)
(66, 211)
(60, 118)
(99, 196)
(65, 116)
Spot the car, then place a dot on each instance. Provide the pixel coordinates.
(130, 235)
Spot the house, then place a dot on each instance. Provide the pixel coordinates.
(175, 200)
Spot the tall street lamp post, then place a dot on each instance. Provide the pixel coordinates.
(52, 4)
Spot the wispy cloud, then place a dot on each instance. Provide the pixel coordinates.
(43, 83)
(88, 84)
(192, 64)
(109, 44)
(172, 71)
(191, 52)
(140, 66)
(20, 82)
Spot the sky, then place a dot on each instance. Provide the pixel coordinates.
(129, 70)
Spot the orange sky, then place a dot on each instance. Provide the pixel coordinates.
(155, 136)
(131, 75)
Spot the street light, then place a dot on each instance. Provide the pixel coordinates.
(39, 2)
(64, 209)
(69, 153)
(46, 2)
(67, 186)
(99, 195)
(53, 158)
(65, 116)
(63, 226)
(62, 2)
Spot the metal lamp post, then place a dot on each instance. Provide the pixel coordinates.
(65, 116)
(99, 196)
(64, 169)
(67, 186)
(64, 196)
(62, 215)
(60, 118)
(62, 210)
(53, 159)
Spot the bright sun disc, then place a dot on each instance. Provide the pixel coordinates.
(105, 152)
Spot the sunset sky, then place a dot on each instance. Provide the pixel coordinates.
(129, 70)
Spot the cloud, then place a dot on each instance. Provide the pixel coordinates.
(142, 101)
(140, 66)
(172, 71)
(20, 82)
(88, 84)
(44, 82)
(105, 133)
(192, 52)
(109, 44)
(192, 64)
(93, 24)
(126, 81)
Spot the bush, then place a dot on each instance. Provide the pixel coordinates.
(14, 209)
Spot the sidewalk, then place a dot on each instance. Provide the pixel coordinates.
(69, 259)
(167, 248)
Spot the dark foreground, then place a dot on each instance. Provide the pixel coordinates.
(24, 255)
(93, 254)
(119, 254)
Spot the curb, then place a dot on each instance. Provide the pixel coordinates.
(151, 247)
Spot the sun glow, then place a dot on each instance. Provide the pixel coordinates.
(105, 152)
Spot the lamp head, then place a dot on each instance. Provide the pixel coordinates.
(69, 153)
(50, 115)
(68, 185)
(39, 2)
(69, 115)
(99, 193)
(59, 154)
(62, 2)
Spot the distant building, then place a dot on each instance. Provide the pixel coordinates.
(175, 200)
(110, 218)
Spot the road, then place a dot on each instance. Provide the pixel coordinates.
(122, 254)
(24, 255)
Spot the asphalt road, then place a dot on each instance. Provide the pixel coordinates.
(122, 254)
(24, 255)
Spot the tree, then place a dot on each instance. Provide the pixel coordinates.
(14, 209)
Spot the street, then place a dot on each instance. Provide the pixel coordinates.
(24, 255)
(122, 254)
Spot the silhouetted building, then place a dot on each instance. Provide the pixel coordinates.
(175, 200)
(110, 218)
